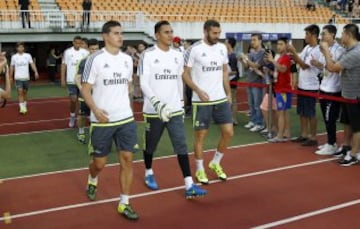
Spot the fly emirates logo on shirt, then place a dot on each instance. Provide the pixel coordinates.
(166, 75)
(21, 64)
(214, 66)
(116, 80)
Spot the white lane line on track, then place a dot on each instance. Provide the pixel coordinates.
(151, 193)
(308, 214)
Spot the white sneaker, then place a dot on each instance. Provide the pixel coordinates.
(257, 128)
(249, 125)
(321, 146)
(327, 149)
(264, 131)
(72, 122)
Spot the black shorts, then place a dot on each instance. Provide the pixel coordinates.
(154, 129)
(102, 135)
(306, 105)
(84, 110)
(202, 114)
(350, 114)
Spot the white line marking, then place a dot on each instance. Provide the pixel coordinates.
(151, 193)
(34, 132)
(33, 122)
(308, 215)
(116, 164)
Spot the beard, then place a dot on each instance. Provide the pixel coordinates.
(212, 41)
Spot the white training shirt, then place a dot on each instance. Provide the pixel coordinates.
(21, 65)
(308, 78)
(161, 76)
(331, 80)
(110, 76)
(72, 58)
(207, 62)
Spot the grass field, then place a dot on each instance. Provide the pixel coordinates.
(58, 150)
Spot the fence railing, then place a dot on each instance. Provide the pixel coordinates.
(62, 20)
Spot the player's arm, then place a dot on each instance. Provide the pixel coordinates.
(63, 70)
(5, 94)
(33, 67)
(144, 75)
(187, 79)
(226, 83)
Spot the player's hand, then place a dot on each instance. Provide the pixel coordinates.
(63, 84)
(161, 109)
(101, 115)
(229, 98)
(3, 59)
(36, 75)
(204, 97)
(290, 48)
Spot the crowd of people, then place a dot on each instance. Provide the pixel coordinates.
(102, 82)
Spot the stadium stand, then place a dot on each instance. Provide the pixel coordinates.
(256, 11)
(7, 7)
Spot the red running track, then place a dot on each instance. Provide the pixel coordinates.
(267, 183)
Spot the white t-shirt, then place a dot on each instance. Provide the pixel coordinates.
(308, 78)
(71, 59)
(161, 76)
(21, 65)
(331, 80)
(110, 76)
(208, 62)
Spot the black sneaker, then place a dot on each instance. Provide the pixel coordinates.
(348, 161)
(341, 152)
(299, 139)
(91, 192)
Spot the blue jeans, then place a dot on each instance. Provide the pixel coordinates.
(255, 96)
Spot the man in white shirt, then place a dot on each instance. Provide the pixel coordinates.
(308, 82)
(161, 69)
(212, 96)
(71, 59)
(330, 85)
(106, 84)
(4, 94)
(19, 70)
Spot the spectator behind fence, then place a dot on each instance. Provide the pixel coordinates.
(86, 13)
(24, 12)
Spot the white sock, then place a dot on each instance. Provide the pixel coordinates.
(25, 103)
(124, 199)
(72, 115)
(149, 172)
(81, 130)
(199, 164)
(92, 180)
(21, 105)
(217, 157)
(188, 182)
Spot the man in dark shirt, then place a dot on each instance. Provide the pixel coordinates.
(86, 12)
(24, 11)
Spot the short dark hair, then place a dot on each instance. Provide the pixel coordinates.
(258, 35)
(284, 39)
(231, 41)
(313, 29)
(106, 28)
(93, 41)
(20, 44)
(77, 38)
(85, 40)
(159, 24)
(331, 29)
(352, 30)
(211, 23)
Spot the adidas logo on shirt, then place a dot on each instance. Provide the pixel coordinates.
(203, 54)
(106, 66)
(156, 61)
